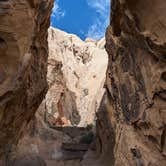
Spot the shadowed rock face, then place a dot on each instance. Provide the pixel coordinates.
(23, 65)
(28, 160)
(136, 81)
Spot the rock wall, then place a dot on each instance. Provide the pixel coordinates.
(23, 65)
(136, 81)
(76, 75)
(54, 135)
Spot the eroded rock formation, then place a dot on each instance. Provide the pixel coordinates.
(76, 75)
(23, 65)
(73, 94)
(136, 84)
(131, 124)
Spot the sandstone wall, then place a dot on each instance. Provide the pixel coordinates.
(23, 65)
(136, 81)
(76, 75)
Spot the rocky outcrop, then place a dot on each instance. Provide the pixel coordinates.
(23, 65)
(136, 84)
(55, 135)
(76, 75)
(32, 159)
(56, 145)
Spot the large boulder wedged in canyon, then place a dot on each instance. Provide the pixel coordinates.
(23, 65)
(136, 81)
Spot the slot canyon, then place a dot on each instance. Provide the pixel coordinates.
(65, 101)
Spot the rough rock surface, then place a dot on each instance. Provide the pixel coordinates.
(76, 75)
(23, 65)
(28, 160)
(136, 82)
(56, 146)
(74, 67)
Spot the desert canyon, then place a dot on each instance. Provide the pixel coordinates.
(69, 102)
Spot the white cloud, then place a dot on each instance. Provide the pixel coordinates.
(98, 27)
(57, 12)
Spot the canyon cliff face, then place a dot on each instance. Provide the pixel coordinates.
(136, 82)
(23, 65)
(76, 75)
(131, 119)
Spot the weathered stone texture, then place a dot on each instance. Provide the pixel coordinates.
(76, 75)
(136, 44)
(23, 65)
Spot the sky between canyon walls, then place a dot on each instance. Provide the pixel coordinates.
(85, 18)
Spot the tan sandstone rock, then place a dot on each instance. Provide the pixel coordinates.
(136, 84)
(23, 65)
(76, 75)
(75, 80)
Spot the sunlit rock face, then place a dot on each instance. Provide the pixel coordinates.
(76, 75)
(136, 102)
(23, 65)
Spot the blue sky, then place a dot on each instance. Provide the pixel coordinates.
(85, 18)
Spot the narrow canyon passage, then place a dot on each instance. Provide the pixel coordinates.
(65, 124)
(66, 89)
(69, 102)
